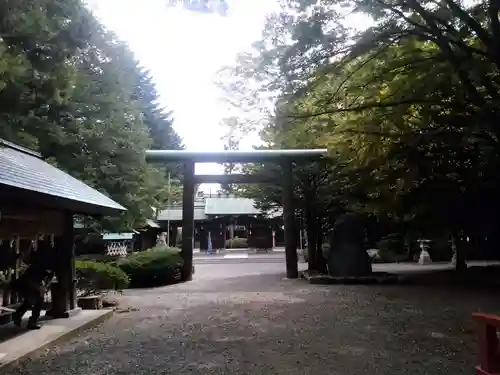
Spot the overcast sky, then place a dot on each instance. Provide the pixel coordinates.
(183, 50)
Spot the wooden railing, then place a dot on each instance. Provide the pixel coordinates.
(489, 353)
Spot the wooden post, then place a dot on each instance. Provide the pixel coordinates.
(6, 252)
(64, 292)
(188, 221)
(14, 298)
(489, 359)
(69, 231)
(292, 269)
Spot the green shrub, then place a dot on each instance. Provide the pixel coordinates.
(155, 267)
(237, 243)
(260, 242)
(440, 249)
(393, 243)
(162, 248)
(391, 249)
(325, 248)
(100, 258)
(95, 277)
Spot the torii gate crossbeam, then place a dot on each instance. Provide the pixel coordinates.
(285, 158)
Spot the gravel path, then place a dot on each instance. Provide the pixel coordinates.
(262, 324)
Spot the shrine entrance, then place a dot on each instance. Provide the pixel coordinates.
(38, 203)
(285, 158)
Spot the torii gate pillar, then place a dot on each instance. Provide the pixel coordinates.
(292, 269)
(189, 158)
(188, 221)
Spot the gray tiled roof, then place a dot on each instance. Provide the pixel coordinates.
(118, 236)
(22, 171)
(152, 223)
(217, 206)
(231, 206)
(175, 214)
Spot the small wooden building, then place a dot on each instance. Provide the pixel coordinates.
(225, 217)
(38, 199)
(147, 236)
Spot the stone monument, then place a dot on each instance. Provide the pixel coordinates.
(347, 256)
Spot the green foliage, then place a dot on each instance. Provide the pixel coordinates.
(391, 243)
(101, 258)
(154, 267)
(232, 142)
(391, 249)
(410, 105)
(219, 7)
(96, 277)
(236, 243)
(440, 249)
(70, 90)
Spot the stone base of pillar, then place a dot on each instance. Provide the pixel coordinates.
(63, 314)
(424, 257)
(454, 263)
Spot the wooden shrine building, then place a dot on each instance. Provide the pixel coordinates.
(37, 199)
(285, 158)
(223, 217)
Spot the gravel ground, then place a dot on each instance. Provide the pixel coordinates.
(263, 324)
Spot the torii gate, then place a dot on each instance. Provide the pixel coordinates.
(283, 157)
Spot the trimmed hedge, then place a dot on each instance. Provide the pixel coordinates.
(95, 277)
(237, 243)
(155, 267)
(101, 258)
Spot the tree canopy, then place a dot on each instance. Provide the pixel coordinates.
(72, 91)
(408, 105)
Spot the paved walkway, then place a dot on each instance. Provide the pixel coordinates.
(233, 320)
(16, 343)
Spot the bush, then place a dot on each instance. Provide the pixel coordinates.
(391, 249)
(100, 258)
(260, 242)
(95, 277)
(155, 267)
(90, 243)
(237, 243)
(440, 250)
(393, 243)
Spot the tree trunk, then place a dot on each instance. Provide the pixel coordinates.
(408, 247)
(311, 239)
(320, 259)
(458, 252)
